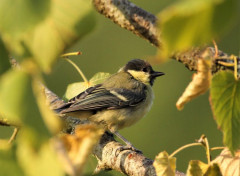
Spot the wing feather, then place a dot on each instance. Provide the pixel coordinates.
(99, 98)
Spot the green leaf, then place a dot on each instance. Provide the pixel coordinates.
(4, 60)
(18, 105)
(76, 88)
(65, 23)
(225, 102)
(99, 78)
(9, 164)
(191, 23)
(17, 16)
(41, 162)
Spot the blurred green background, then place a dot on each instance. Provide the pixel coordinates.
(108, 48)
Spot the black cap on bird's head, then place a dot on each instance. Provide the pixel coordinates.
(139, 65)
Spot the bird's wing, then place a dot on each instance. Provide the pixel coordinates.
(98, 98)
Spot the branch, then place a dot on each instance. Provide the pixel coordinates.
(128, 162)
(144, 24)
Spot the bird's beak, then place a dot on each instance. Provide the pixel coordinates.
(156, 74)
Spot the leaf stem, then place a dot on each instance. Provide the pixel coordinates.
(79, 71)
(217, 148)
(184, 147)
(71, 54)
(14, 134)
(207, 150)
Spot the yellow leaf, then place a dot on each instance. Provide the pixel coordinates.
(165, 165)
(196, 168)
(79, 145)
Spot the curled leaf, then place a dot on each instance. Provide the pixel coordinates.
(199, 84)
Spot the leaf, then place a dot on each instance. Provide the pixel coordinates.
(43, 161)
(213, 170)
(99, 78)
(165, 165)
(229, 165)
(76, 88)
(4, 60)
(199, 85)
(9, 164)
(225, 102)
(196, 168)
(79, 146)
(191, 23)
(18, 105)
(19, 16)
(65, 23)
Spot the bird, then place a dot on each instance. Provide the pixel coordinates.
(120, 101)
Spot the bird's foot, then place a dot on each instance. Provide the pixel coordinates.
(127, 147)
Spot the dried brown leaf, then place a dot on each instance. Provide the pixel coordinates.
(79, 145)
(199, 84)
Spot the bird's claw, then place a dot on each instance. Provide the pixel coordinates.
(127, 147)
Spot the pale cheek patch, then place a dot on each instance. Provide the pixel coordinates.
(140, 75)
(119, 95)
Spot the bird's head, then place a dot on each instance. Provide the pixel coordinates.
(141, 71)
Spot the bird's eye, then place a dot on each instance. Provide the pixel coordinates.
(145, 69)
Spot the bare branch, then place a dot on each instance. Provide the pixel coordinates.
(130, 17)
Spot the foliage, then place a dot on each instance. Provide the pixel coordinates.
(36, 33)
(191, 23)
(225, 101)
(74, 89)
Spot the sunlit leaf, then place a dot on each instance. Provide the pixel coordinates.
(43, 161)
(99, 78)
(229, 165)
(9, 164)
(79, 145)
(164, 165)
(225, 102)
(196, 168)
(4, 59)
(66, 23)
(213, 170)
(199, 84)
(75, 88)
(191, 23)
(18, 104)
(17, 16)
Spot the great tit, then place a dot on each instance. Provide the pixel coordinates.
(120, 101)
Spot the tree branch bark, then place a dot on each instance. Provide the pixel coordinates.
(144, 24)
